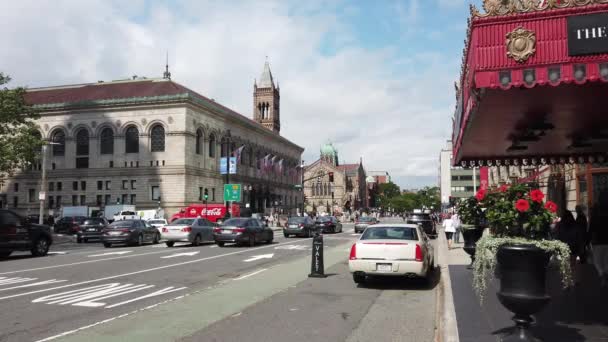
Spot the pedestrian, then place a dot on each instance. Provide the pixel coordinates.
(567, 232)
(449, 228)
(271, 220)
(456, 222)
(583, 229)
(599, 237)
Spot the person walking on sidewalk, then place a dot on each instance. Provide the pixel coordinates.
(583, 233)
(448, 225)
(456, 222)
(598, 229)
(567, 232)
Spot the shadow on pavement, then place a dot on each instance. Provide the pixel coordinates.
(403, 283)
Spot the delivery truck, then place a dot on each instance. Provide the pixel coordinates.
(212, 212)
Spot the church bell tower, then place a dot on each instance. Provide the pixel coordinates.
(266, 100)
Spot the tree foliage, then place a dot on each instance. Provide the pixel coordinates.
(391, 196)
(19, 141)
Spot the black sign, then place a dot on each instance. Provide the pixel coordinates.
(317, 270)
(588, 34)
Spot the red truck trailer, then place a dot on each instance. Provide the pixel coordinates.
(212, 212)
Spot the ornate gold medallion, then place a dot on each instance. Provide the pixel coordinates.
(521, 44)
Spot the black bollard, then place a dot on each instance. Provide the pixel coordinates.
(317, 270)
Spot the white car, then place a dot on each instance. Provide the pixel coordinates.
(391, 250)
(158, 224)
(126, 215)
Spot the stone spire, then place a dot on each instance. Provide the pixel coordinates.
(266, 80)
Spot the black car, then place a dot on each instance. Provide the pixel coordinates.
(20, 234)
(69, 225)
(426, 222)
(242, 230)
(328, 224)
(300, 226)
(130, 232)
(91, 228)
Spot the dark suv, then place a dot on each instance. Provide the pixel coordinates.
(91, 228)
(19, 234)
(299, 226)
(426, 222)
(69, 225)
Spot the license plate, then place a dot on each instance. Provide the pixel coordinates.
(115, 233)
(384, 267)
(91, 230)
(226, 231)
(293, 226)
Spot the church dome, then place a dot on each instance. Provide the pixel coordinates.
(328, 150)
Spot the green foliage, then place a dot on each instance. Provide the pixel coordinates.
(470, 211)
(19, 143)
(485, 258)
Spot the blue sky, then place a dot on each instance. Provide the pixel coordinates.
(374, 77)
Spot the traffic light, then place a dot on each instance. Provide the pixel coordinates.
(206, 195)
(331, 177)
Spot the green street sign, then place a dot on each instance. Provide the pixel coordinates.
(232, 192)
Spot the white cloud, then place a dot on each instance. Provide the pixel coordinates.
(392, 110)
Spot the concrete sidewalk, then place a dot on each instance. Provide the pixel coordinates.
(572, 315)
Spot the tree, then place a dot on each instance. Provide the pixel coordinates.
(19, 139)
(430, 198)
(386, 192)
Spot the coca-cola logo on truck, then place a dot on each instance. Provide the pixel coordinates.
(193, 212)
(212, 212)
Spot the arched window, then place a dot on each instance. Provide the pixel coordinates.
(132, 140)
(59, 138)
(199, 141)
(212, 146)
(106, 141)
(82, 142)
(157, 139)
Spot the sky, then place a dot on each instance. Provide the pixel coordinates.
(374, 77)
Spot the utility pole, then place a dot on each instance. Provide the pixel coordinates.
(474, 180)
(227, 167)
(42, 194)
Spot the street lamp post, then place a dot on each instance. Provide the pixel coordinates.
(227, 142)
(42, 194)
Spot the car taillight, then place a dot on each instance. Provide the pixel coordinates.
(301, 225)
(239, 230)
(353, 252)
(76, 227)
(126, 230)
(418, 253)
(165, 230)
(187, 229)
(217, 230)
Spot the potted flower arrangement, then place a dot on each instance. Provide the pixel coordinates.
(519, 247)
(472, 218)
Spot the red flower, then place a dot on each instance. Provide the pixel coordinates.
(522, 205)
(537, 195)
(503, 188)
(552, 207)
(481, 194)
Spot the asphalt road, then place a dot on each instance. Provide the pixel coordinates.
(154, 293)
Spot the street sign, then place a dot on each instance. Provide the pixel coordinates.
(232, 192)
(42, 196)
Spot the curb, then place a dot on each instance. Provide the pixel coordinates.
(447, 326)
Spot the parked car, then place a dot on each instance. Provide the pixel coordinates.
(242, 230)
(126, 215)
(364, 222)
(425, 221)
(299, 226)
(391, 250)
(193, 230)
(158, 224)
(91, 228)
(132, 232)
(20, 234)
(69, 225)
(328, 224)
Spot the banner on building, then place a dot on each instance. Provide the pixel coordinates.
(483, 177)
(224, 165)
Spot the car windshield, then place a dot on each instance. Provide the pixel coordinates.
(127, 213)
(122, 224)
(366, 219)
(93, 221)
(79, 219)
(324, 219)
(296, 220)
(390, 233)
(156, 221)
(182, 222)
(420, 217)
(235, 222)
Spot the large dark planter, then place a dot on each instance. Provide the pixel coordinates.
(523, 271)
(471, 236)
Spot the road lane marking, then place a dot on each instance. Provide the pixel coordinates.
(83, 262)
(153, 294)
(44, 282)
(141, 271)
(295, 247)
(57, 253)
(110, 253)
(180, 254)
(16, 280)
(258, 257)
(250, 274)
